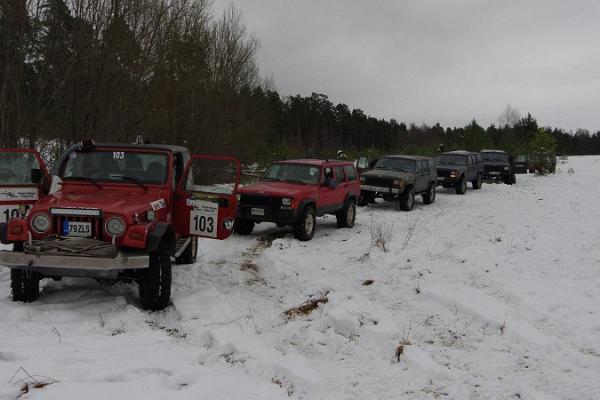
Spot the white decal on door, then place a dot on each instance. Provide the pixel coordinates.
(204, 218)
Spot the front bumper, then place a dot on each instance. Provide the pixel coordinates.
(40, 263)
(446, 181)
(380, 189)
(267, 214)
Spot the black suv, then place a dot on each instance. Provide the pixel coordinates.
(498, 167)
(399, 178)
(456, 168)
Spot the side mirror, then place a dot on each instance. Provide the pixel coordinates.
(36, 175)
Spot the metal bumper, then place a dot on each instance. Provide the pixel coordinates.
(123, 261)
(269, 214)
(381, 189)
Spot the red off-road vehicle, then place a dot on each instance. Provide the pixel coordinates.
(295, 192)
(118, 211)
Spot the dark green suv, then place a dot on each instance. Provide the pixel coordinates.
(399, 178)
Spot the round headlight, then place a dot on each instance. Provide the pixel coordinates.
(286, 201)
(115, 226)
(40, 223)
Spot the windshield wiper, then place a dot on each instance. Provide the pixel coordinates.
(295, 181)
(83, 178)
(134, 180)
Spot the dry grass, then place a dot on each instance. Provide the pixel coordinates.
(307, 307)
(403, 343)
(381, 234)
(28, 381)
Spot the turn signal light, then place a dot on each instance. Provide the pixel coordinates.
(136, 236)
(16, 229)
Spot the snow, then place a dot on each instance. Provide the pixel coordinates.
(495, 295)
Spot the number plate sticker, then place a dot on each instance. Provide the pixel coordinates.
(204, 218)
(10, 211)
(257, 211)
(77, 229)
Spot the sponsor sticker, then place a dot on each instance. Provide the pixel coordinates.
(18, 194)
(158, 204)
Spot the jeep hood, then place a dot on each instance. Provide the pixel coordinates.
(279, 189)
(383, 173)
(124, 202)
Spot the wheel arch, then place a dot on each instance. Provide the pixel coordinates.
(162, 238)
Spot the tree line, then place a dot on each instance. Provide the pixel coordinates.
(176, 73)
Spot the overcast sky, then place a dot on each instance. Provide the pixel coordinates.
(444, 61)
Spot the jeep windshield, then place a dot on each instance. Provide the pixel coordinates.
(15, 168)
(455, 159)
(501, 157)
(116, 166)
(292, 173)
(396, 164)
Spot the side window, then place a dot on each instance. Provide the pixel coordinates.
(327, 174)
(425, 167)
(350, 173)
(339, 174)
(419, 168)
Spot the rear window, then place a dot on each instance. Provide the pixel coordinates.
(350, 173)
(15, 168)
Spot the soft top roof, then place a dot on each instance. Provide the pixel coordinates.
(168, 147)
(408, 157)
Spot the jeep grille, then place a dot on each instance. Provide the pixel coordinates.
(378, 181)
(256, 200)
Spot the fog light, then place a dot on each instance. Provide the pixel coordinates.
(40, 223)
(286, 201)
(115, 226)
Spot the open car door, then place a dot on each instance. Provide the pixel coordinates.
(23, 180)
(206, 197)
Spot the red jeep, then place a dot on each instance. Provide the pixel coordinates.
(295, 192)
(121, 211)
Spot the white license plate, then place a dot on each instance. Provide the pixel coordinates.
(79, 229)
(494, 173)
(257, 211)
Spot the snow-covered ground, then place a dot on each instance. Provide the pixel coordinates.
(494, 295)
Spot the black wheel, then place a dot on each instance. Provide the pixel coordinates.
(364, 199)
(243, 226)
(189, 254)
(155, 283)
(461, 186)
(429, 197)
(407, 200)
(347, 217)
(304, 228)
(477, 182)
(25, 285)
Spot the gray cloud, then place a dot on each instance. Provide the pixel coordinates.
(436, 61)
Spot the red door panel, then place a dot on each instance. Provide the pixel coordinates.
(23, 180)
(206, 198)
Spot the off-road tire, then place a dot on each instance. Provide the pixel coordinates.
(189, 254)
(243, 226)
(512, 179)
(155, 283)
(477, 182)
(347, 216)
(304, 228)
(407, 200)
(25, 285)
(461, 186)
(429, 197)
(364, 200)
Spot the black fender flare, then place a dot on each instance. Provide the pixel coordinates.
(162, 238)
(349, 196)
(303, 204)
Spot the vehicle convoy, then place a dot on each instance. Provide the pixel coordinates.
(399, 178)
(498, 167)
(295, 192)
(456, 168)
(121, 211)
